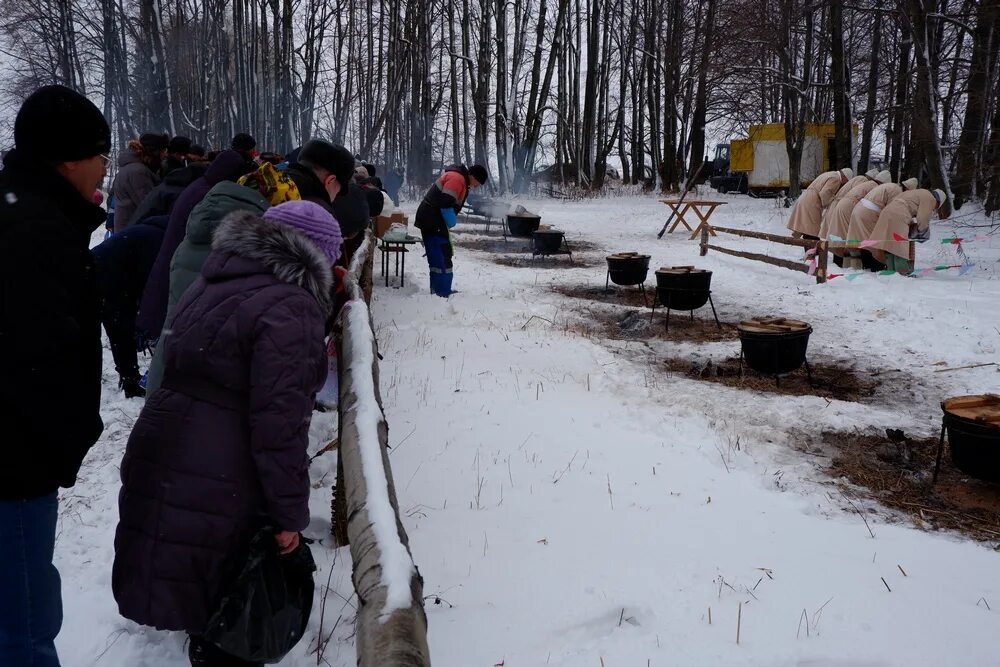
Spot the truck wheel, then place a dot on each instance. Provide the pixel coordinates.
(723, 189)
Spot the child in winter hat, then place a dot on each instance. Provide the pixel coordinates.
(312, 221)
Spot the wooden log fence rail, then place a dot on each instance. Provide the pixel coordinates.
(391, 624)
(821, 248)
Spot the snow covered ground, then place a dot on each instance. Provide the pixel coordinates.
(570, 503)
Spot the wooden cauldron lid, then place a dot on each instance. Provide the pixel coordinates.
(982, 408)
(679, 270)
(772, 325)
(627, 255)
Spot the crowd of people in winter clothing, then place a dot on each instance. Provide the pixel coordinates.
(848, 210)
(225, 265)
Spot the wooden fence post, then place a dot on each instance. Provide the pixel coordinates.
(821, 250)
(704, 239)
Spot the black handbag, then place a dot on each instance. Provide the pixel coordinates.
(265, 611)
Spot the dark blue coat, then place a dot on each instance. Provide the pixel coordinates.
(228, 166)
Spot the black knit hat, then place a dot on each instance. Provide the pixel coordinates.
(335, 159)
(478, 172)
(179, 145)
(243, 143)
(57, 124)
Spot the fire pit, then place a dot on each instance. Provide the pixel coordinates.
(548, 241)
(627, 269)
(683, 288)
(523, 225)
(774, 345)
(973, 427)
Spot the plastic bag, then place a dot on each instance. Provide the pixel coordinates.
(329, 396)
(267, 608)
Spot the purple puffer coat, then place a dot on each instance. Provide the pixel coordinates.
(222, 444)
(228, 166)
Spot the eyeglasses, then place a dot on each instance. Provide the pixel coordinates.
(106, 159)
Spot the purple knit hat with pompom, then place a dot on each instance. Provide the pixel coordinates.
(313, 221)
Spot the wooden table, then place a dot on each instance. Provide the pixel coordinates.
(703, 209)
(395, 243)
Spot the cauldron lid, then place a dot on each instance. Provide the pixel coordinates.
(627, 255)
(981, 408)
(679, 270)
(776, 325)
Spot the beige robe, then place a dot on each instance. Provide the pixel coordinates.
(807, 215)
(824, 228)
(839, 215)
(895, 219)
(864, 219)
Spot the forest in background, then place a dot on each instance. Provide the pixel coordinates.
(602, 88)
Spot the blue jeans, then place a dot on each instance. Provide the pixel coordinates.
(30, 597)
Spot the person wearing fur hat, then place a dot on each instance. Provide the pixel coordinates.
(321, 171)
(178, 151)
(807, 215)
(838, 215)
(242, 368)
(246, 146)
(138, 173)
(50, 328)
(438, 213)
(908, 216)
(865, 216)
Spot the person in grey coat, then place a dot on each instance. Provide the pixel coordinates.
(138, 174)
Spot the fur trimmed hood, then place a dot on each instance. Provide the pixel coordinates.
(288, 254)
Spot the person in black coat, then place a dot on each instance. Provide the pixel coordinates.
(50, 351)
(123, 265)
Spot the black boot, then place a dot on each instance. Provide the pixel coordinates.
(131, 387)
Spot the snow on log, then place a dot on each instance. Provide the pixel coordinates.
(392, 625)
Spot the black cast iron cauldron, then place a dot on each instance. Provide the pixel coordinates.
(523, 225)
(774, 345)
(973, 425)
(547, 241)
(628, 268)
(683, 287)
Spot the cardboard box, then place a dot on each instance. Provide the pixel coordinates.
(382, 224)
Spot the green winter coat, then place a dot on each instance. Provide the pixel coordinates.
(185, 267)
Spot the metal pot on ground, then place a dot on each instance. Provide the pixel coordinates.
(683, 288)
(547, 241)
(627, 269)
(973, 427)
(774, 346)
(523, 225)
